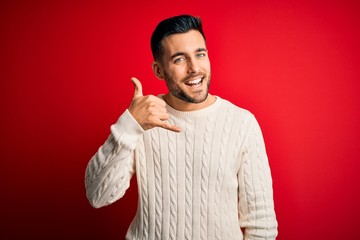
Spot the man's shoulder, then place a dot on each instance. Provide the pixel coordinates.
(237, 109)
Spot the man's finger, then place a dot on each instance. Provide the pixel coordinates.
(138, 87)
(170, 127)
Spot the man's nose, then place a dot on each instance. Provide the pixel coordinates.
(193, 66)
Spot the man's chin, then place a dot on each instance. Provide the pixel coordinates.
(194, 100)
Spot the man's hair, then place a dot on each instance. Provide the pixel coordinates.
(173, 25)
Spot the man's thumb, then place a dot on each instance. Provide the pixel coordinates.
(138, 87)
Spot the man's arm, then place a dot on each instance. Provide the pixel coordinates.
(109, 171)
(256, 205)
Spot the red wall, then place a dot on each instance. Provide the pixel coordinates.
(65, 77)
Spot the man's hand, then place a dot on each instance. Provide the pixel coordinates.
(149, 111)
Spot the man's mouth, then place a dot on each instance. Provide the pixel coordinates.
(195, 83)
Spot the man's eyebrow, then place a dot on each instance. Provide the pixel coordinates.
(177, 54)
(201, 50)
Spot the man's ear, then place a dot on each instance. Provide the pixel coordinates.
(158, 71)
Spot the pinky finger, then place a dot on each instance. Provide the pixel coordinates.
(170, 127)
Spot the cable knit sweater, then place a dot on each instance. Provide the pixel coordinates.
(206, 182)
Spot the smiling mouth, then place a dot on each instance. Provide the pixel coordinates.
(195, 83)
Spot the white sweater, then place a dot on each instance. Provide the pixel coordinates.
(206, 182)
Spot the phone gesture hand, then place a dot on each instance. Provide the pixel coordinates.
(149, 111)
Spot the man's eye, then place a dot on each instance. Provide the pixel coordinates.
(201, 54)
(179, 60)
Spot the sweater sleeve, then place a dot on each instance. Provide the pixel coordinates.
(256, 206)
(109, 171)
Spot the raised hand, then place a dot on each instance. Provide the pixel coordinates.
(149, 111)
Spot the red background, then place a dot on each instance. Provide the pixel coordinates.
(65, 78)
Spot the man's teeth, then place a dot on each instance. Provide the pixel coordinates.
(194, 82)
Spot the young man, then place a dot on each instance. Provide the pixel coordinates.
(200, 161)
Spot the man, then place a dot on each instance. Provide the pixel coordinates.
(200, 161)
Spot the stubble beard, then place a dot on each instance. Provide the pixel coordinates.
(177, 92)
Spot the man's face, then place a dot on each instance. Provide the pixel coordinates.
(186, 66)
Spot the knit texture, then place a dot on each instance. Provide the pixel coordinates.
(206, 182)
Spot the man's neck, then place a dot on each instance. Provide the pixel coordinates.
(184, 106)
